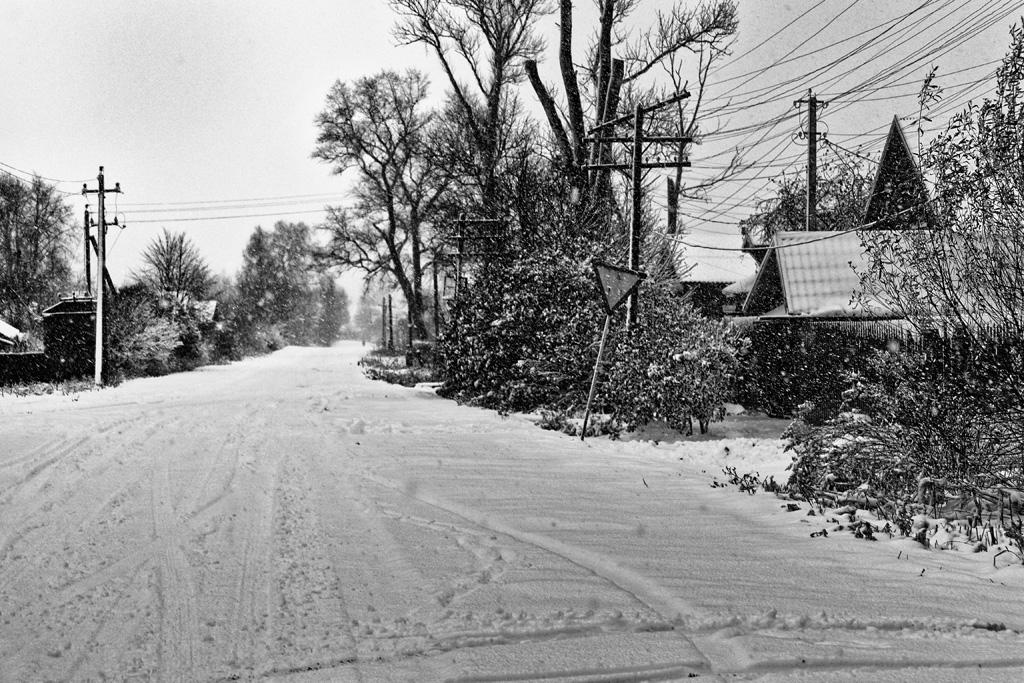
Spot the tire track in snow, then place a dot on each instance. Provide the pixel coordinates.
(48, 522)
(36, 490)
(54, 540)
(311, 625)
(642, 588)
(179, 627)
(249, 610)
(491, 561)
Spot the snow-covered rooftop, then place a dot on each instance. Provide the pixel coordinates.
(9, 333)
(813, 274)
(713, 265)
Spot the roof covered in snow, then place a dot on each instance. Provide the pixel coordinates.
(813, 274)
(714, 265)
(9, 333)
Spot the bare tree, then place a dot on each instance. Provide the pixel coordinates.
(379, 127)
(704, 31)
(36, 232)
(965, 278)
(172, 263)
(488, 40)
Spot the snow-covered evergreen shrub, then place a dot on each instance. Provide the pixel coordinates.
(791, 363)
(528, 339)
(138, 341)
(524, 336)
(950, 417)
(674, 365)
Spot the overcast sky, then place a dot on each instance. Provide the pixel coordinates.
(196, 105)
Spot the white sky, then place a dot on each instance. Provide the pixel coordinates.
(195, 101)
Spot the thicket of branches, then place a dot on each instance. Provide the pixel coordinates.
(36, 238)
(523, 330)
(172, 263)
(942, 417)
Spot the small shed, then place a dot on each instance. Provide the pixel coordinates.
(69, 330)
(714, 278)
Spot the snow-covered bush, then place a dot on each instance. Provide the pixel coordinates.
(949, 417)
(527, 340)
(138, 341)
(675, 365)
(154, 334)
(524, 336)
(792, 363)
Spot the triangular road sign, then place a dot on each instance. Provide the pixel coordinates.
(616, 283)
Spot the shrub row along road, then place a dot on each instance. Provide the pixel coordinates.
(284, 518)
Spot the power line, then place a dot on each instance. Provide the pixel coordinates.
(219, 218)
(223, 207)
(229, 201)
(42, 177)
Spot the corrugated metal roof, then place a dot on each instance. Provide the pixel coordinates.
(818, 273)
(817, 270)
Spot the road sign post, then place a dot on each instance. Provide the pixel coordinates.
(617, 285)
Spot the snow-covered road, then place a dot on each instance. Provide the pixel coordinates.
(284, 518)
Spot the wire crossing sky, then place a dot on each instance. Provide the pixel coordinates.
(204, 111)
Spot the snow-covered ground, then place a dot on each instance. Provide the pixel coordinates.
(286, 519)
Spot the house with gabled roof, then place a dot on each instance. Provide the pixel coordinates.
(808, 304)
(898, 199)
(817, 275)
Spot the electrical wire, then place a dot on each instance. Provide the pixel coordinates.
(42, 177)
(994, 12)
(205, 202)
(219, 218)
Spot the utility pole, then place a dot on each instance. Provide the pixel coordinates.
(632, 304)
(463, 226)
(636, 167)
(461, 245)
(672, 197)
(101, 267)
(437, 304)
(391, 324)
(812, 103)
(88, 255)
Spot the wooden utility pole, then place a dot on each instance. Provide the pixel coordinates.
(633, 303)
(463, 225)
(812, 103)
(391, 325)
(101, 267)
(636, 167)
(672, 200)
(88, 255)
(461, 246)
(437, 304)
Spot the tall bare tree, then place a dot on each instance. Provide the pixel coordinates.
(379, 127)
(488, 41)
(172, 263)
(608, 81)
(36, 234)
